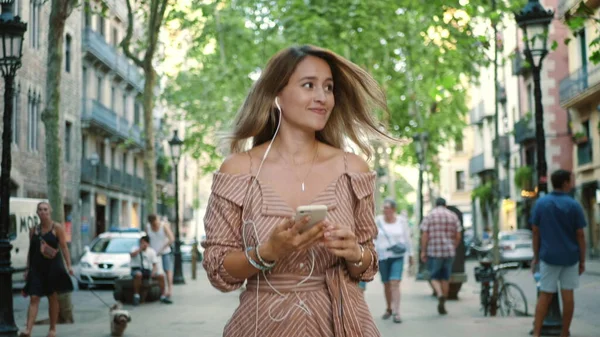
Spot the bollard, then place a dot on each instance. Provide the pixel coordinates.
(552, 325)
(194, 258)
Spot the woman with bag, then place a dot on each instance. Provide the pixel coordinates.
(393, 243)
(46, 274)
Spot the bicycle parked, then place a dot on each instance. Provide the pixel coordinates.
(511, 298)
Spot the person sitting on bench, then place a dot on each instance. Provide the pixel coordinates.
(144, 263)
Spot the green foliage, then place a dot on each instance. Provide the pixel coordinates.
(524, 177)
(483, 193)
(422, 53)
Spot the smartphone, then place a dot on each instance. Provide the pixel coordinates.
(317, 214)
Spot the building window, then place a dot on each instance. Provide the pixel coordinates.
(530, 99)
(136, 113)
(84, 146)
(113, 97)
(583, 50)
(33, 121)
(135, 164)
(124, 163)
(87, 18)
(460, 180)
(16, 115)
(34, 23)
(584, 149)
(17, 8)
(458, 147)
(99, 82)
(101, 26)
(84, 80)
(115, 37)
(125, 105)
(68, 135)
(68, 53)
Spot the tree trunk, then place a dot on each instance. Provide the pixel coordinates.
(149, 149)
(61, 9)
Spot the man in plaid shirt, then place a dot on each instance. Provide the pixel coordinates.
(441, 230)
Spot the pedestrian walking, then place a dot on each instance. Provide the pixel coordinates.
(557, 222)
(161, 239)
(441, 234)
(306, 104)
(393, 244)
(46, 274)
(144, 266)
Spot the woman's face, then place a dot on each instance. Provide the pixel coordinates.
(43, 211)
(307, 99)
(388, 210)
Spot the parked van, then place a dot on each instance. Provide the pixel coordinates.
(23, 216)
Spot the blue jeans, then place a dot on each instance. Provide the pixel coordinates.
(391, 269)
(440, 268)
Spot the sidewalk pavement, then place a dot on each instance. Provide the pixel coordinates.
(200, 310)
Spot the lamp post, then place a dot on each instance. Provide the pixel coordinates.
(12, 32)
(420, 142)
(535, 20)
(175, 144)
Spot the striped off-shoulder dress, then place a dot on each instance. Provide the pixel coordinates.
(329, 303)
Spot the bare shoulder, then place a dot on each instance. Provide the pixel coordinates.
(357, 164)
(236, 163)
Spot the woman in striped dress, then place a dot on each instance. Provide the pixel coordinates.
(305, 105)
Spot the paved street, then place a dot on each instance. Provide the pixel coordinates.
(200, 310)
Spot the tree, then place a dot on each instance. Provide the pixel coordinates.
(60, 12)
(422, 53)
(153, 12)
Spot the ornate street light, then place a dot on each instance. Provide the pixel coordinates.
(535, 21)
(175, 144)
(12, 32)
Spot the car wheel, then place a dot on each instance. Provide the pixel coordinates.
(83, 286)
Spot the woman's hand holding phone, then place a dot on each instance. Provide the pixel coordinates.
(287, 238)
(341, 241)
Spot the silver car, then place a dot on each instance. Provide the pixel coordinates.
(516, 246)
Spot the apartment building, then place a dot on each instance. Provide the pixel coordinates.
(28, 171)
(580, 95)
(112, 174)
(455, 185)
(516, 146)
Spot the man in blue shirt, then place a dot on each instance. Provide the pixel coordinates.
(557, 222)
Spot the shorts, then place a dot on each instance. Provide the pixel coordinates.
(167, 262)
(391, 269)
(440, 268)
(551, 274)
(146, 273)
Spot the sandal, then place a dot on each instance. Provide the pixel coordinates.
(388, 314)
(397, 319)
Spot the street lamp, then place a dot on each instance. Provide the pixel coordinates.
(12, 32)
(175, 144)
(535, 20)
(420, 142)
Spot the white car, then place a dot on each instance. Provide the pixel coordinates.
(516, 246)
(107, 258)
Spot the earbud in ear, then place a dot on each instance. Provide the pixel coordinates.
(277, 104)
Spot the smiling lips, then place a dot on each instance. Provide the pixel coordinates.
(319, 111)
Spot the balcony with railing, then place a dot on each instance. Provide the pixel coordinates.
(478, 164)
(501, 148)
(580, 86)
(94, 44)
(102, 175)
(524, 130)
(96, 115)
(478, 113)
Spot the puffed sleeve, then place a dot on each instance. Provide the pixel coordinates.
(363, 186)
(222, 223)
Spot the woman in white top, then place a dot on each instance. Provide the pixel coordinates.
(393, 230)
(161, 239)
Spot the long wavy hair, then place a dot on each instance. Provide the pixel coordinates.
(356, 93)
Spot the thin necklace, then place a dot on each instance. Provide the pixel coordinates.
(292, 169)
